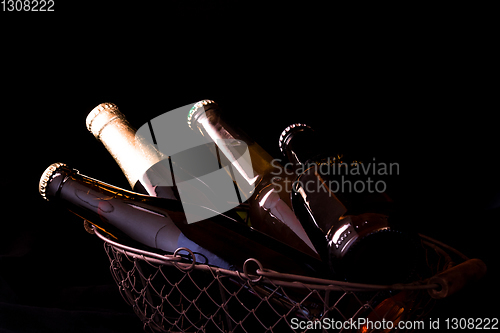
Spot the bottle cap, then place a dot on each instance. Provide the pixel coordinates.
(196, 107)
(286, 134)
(102, 115)
(47, 176)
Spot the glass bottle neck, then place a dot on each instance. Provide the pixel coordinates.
(252, 165)
(300, 144)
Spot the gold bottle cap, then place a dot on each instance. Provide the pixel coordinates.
(46, 176)
(102, 115)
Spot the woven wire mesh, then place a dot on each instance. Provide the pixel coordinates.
(169, 293)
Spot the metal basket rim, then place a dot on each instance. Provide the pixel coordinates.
(282, 279)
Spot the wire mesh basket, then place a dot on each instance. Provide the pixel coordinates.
(173, 293)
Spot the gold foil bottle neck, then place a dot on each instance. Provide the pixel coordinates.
(134, 154)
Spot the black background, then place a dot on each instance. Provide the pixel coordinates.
(413, 90)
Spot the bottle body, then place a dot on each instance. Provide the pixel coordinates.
(356, 232)
(161, 223)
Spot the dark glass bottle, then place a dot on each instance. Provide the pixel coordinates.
(124, 215)
(357, 232)
(161, 223)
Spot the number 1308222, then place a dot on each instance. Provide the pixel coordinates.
(27, 5)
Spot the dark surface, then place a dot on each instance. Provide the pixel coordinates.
(431, 112)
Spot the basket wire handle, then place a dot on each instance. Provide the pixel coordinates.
(245, 270)
(182, 266)
(454, 279)
(439, 286)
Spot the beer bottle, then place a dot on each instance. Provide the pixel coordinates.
(357, 233)
(160, 223)
(260, 179)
